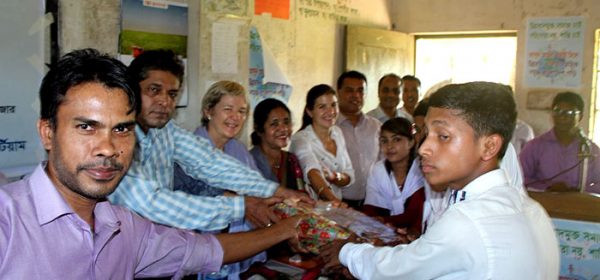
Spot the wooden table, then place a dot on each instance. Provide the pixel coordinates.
(570, 205)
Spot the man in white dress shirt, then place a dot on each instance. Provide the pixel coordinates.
(361, 133)
(491, 230)
(388, 92)
(411, 87)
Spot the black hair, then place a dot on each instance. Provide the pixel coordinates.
(79, 67)
(489, 108)
(411, 78)
(350, 74)
(403, 127)
(312, 95)
(162, 60)
(422, 106)
(391, 75)
(261, 114)
(570, 98)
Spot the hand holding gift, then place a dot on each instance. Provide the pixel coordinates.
(323, 224)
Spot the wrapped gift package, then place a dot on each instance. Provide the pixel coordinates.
(324, 223)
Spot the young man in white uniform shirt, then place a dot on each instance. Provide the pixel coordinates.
(490, 230)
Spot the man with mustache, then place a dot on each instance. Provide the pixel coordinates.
(57, 223)
(491, 229)
(389, 88)
(147, 187)
(361, 133)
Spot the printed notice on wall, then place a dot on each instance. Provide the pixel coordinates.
(554, 52)
(224, 50)
(22, 56)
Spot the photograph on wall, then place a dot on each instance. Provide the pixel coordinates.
(554, 52)
(151, 25)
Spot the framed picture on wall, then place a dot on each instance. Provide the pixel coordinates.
(154, 24)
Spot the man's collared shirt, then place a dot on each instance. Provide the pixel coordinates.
(382, 117)
(362, 142)
(543, 158)
(495, 232)
(148, 186)
(42, 238)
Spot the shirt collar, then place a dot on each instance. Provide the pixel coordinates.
(480, 185)
(141, 136)
(342, 119)
(48, 202)
(139, 133)
(202, 131)
(50, 205)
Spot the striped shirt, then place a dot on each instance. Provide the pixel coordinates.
(148, 186)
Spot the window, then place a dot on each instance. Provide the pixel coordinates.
(465, 58)
(594, 114)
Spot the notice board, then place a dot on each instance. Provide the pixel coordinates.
(22, 55)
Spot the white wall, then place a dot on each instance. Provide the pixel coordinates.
(455, 16)
(309, 50)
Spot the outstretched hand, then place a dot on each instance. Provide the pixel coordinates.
(258, 211)
(330, 254)
(292, 223)
(286, 193)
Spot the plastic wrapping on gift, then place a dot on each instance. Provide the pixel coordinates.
(325, 224)
(313, 231)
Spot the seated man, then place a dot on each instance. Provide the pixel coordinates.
(57, 224)
(147, 188)
(551, 161)
(491, 230)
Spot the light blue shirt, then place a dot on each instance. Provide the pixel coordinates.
(237, 150)
(148, 186)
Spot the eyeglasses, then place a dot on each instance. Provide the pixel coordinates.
(566, 113)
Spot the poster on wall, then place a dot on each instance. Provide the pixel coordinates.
(154, 24)
(579, 249)
(22, 55)
(554, 52)
(266, 80)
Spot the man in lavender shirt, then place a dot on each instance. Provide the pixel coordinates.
(550, 161)
(57, 224)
